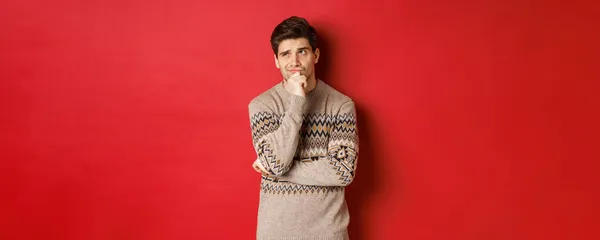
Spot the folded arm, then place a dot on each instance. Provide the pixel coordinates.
(339, 166)
(275, 138)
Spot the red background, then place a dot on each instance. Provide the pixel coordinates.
(128, 119)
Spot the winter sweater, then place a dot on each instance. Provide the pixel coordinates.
(309, 146)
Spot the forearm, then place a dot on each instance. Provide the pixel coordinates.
(276, 138)
(276, 150)
(339, 166)
(326, 171)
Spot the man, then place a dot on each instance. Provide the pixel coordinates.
(304, 133)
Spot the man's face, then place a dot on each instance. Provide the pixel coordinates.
(296, 55)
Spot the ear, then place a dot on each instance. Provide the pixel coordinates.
(276, 62)
(317, 54)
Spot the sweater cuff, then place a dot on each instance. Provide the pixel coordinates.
(297, 104)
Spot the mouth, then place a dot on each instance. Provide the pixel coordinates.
(295, 70)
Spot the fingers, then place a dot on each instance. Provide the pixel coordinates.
(255, 167)
(298, 84)
(299, 79)
(302, 81)
(297, 76)
(258, 167)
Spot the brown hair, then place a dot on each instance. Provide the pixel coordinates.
(292, 28)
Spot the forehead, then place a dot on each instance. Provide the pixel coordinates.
(295, 43)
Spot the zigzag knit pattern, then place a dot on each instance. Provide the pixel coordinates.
(276, 186)
(264, 123)
(343, 140)
(322, 138)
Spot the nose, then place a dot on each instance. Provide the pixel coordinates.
(294, 59)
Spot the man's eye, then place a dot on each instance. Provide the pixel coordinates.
(284, 54)
(302, 51)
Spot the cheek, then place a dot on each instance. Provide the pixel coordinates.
(282, 63)
(309, 60)
(308, 64)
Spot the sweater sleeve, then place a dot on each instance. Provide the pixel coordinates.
(339, 166)
(275, 138)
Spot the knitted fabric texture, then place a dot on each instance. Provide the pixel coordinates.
(309, 146)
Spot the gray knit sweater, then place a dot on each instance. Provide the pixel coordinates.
(309, 145)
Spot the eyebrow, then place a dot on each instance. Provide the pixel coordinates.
(299, 49)
(284, 52)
